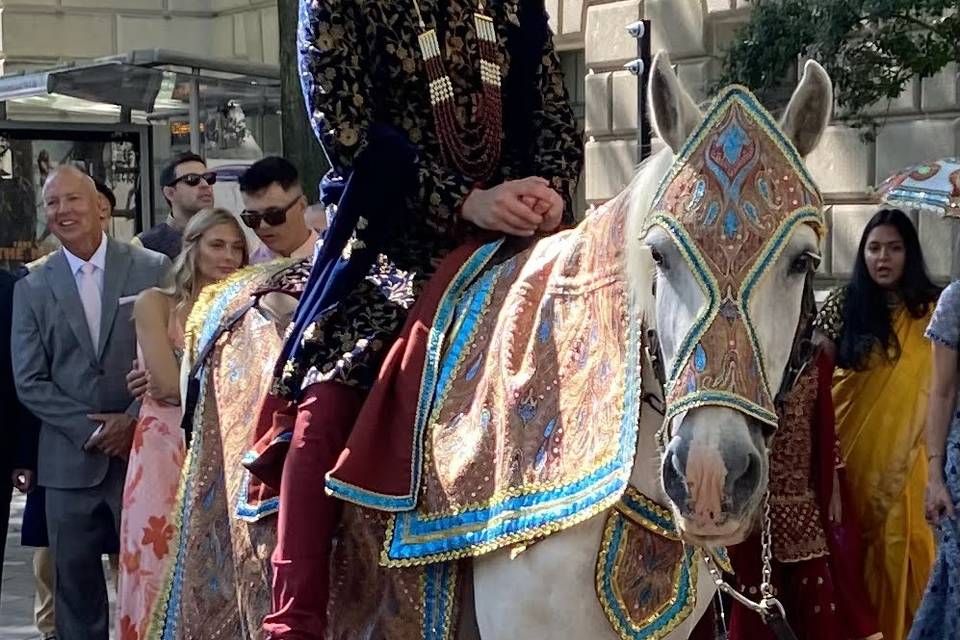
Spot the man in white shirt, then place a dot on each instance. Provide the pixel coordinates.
(73, 337)
(274, 205)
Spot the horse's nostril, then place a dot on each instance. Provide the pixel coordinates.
(673, 480)
(675, 463)
(748, 481)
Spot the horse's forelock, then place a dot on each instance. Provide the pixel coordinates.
(639, 196)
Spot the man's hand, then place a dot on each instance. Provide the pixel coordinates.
(138, 380)
(116, 436)
(507, 207)
(22, 480)
(551, 210)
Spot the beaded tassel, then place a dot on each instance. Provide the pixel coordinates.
(477, 161)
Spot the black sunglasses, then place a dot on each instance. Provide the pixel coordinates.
(193, 179)
(273, 216)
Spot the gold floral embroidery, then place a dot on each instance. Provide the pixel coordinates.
(830, 318)
(348, 137)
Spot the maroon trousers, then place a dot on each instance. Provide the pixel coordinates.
(308, 516)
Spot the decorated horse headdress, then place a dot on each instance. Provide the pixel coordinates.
(736, 192)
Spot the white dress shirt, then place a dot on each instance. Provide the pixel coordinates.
(98, 259)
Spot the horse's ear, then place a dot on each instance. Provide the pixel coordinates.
(673, 112)
(810, 108)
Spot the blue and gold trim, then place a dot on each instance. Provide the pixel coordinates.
(708, 283)
(204, 322)
(640, 509)
(440, 589)
(721, 399)
(771, 252)
(434, 376)
(255, 511)
(634, 514)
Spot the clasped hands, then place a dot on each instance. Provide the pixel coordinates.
(516, 207)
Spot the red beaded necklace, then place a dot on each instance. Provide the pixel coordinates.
(477, 161)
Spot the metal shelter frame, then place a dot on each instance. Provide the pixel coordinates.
(157, 82)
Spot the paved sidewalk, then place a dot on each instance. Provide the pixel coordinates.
(16, 599)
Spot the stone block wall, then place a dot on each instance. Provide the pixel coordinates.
(922, 124)
(43, 33)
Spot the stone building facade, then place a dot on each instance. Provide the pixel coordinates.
(42, 33)
(922, 124)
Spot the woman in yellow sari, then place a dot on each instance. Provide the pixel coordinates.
(875, 326)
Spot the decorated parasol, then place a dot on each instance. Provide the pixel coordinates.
(930, 186)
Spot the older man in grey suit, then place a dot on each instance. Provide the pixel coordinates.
(73, 340)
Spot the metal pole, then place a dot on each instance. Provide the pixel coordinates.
(262, 124)
(643, 119)
(3, 109)
(195, 112)
(640, 67)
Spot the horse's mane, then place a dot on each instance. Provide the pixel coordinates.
(639, 195)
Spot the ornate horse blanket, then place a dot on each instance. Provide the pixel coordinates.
(525, 424)
(526, 420)
(218, 585)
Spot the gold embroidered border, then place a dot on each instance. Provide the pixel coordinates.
(689, 557)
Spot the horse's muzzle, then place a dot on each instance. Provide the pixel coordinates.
(714, 474)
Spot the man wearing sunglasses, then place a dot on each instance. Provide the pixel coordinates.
(187, 188)
(274, 205)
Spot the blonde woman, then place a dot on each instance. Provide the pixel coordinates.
(213, 248)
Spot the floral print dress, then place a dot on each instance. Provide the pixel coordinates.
(360, 67)
(939, 612)
(150, 490)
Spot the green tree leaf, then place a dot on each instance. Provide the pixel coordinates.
(871, 48)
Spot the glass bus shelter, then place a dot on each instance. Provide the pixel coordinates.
(120, 118)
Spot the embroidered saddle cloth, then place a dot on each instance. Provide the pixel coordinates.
(527, 418)
(219, 582)
(646, 579)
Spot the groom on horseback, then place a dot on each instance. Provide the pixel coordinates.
(441, 121)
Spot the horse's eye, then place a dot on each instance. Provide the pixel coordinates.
(657, 258)
(806, 262)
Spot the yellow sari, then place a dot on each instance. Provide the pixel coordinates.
(880, 424)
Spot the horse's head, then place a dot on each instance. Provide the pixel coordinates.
(735, 230)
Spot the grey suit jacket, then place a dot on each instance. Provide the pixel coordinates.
(59, 375)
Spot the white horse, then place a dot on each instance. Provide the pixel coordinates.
(714, 469)
(710, 470)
